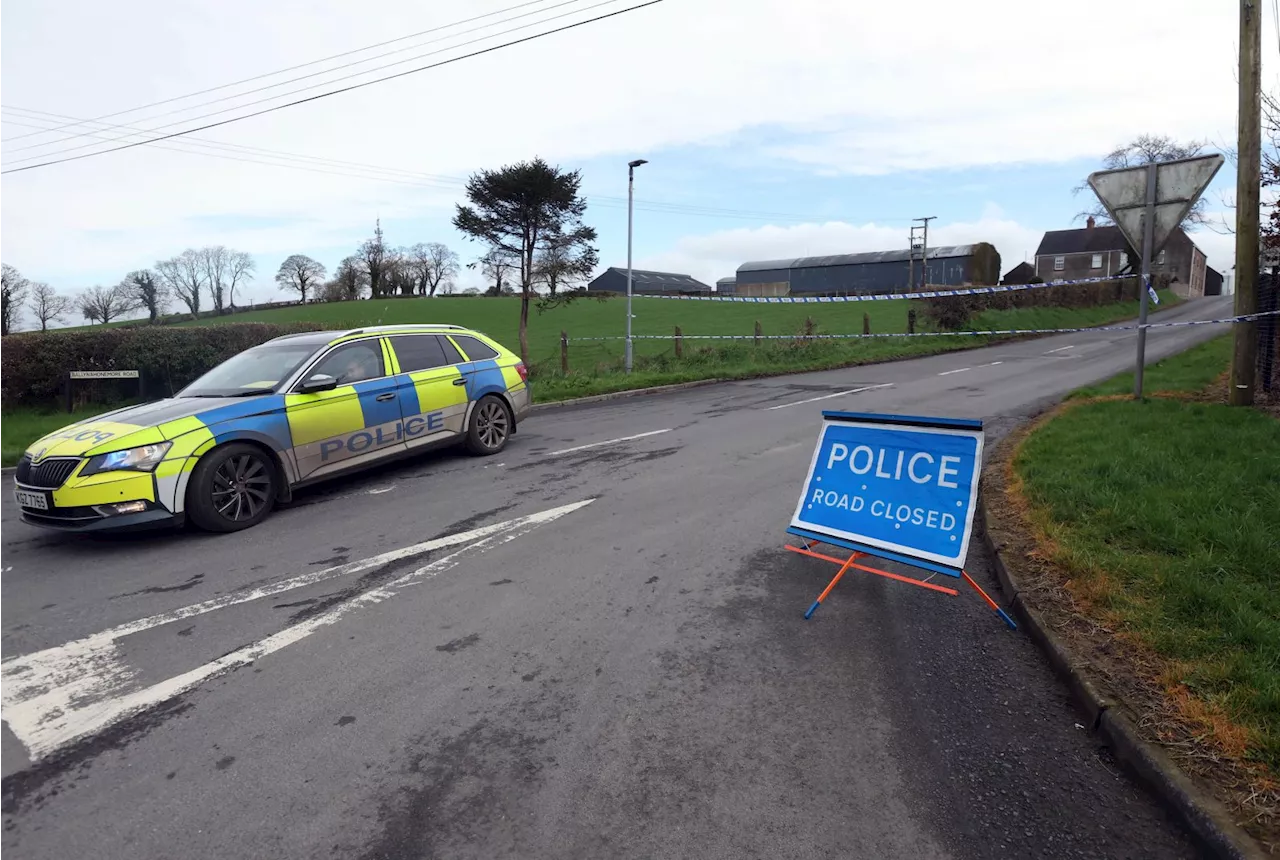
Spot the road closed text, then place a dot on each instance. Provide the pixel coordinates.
(915, 515)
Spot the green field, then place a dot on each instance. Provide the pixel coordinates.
(1163, 514)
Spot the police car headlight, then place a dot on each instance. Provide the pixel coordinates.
(141, 459)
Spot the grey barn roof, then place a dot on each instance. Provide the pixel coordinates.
(729, 280)
(942, 252)
(660, 280)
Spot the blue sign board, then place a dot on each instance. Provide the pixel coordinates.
(900, 487)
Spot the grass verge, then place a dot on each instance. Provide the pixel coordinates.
(1158, 524)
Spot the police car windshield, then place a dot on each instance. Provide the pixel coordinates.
(255, 371)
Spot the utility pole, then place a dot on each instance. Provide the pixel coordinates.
(631, 182)
(924, 252)
(1248, 187)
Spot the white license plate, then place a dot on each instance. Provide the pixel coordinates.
(32, 500)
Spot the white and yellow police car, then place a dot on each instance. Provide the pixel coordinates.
(298, 409)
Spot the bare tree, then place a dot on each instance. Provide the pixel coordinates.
(239, 268)
(434, 267)
(398, 274)
(13, 295)
(184, 276)
(497, 266)
(148, 291)
(103, 304)
(224, 270)
(47, 306)
(373, 259)
(559, 264)
(300, 273)
(350, 278)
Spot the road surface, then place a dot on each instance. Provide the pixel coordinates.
(589, 646)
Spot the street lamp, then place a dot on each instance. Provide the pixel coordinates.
(631, 181)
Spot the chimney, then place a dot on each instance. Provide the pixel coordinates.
(1089, 223)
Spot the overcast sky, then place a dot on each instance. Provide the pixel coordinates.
(773, 129)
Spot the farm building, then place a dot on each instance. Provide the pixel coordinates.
(727, 286)
(645, 283)
(875, 272)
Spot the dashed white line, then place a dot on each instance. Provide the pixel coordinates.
(830, 396)
(957, 370)
(991, 364)
(1061, 349)
(607, 442)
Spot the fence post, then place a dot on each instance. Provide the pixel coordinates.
(564, 352)
(911, 321)
(866, 323)
(808, 329)
(759, 332)
(679, 343)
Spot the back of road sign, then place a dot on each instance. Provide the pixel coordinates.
(900, 487)
(1179, 184)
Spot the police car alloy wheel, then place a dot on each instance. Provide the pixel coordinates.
(490, 426)
(232, 488)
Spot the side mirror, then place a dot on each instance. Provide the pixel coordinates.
(317, 383)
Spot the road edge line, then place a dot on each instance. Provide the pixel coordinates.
(1205, 817)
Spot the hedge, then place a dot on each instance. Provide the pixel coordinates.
(952, 313)
(35, 366)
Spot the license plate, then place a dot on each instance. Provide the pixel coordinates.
(28, 499)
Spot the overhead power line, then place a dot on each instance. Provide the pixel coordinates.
(307, 64)
(346, 89)
(327, 71)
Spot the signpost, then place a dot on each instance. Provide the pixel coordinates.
(75, 375)
(1148, 203)
(898, 487)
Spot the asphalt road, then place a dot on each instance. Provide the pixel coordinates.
(630, 677)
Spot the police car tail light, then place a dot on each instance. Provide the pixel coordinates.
(523, 371)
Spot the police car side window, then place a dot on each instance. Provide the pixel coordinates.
(419, 352)
(353, 362)
(474, 348)
(451, 354)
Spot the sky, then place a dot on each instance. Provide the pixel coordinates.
(771, 129)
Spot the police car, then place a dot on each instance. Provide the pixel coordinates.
(293, 411)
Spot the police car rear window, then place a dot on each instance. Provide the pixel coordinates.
(421, 352)
(475, 349)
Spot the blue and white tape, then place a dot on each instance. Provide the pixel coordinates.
(984, 333)
(885, 297)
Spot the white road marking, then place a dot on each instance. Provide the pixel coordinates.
(607, 442)
(55, 697)
(377, 491)
(1061, 349)
(991, 364)
(957, 370)
(829, 396)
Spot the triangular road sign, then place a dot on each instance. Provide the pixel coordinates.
(1179, 185)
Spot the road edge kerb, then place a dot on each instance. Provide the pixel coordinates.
(1203, 815)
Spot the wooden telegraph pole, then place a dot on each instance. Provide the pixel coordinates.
(1248, 187)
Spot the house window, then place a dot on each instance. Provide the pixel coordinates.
(1160, 259)
(1059, 263)
(1096, 263)
(1124, 259)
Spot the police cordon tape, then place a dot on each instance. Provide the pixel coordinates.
(885, 297)
(985, 333)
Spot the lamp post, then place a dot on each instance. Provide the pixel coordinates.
(631, 181)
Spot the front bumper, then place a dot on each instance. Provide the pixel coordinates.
(88, 520)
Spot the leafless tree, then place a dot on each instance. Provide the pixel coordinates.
(398, 274)
(1270, 176)
(373, 260)
(149, 292)
(47, 306)
(497, 266)
(103, 304)
(434, 267)
(13, 295)
(184, 276)
(224, 270)
(559, 264)
(300, 273)
(350, 278)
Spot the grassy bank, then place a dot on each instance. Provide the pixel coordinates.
(595, 367)
(1163, 517)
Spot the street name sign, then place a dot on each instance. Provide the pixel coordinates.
(904, 488)
(105, 374)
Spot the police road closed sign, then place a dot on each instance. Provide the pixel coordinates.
(899, 487)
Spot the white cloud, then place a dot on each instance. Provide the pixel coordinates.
(717, 255)
(854, 88)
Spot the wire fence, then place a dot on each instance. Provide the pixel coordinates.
(1268, 362)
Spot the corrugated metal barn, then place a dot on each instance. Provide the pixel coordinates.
(727, 286)
(614, 280)
(875, 272)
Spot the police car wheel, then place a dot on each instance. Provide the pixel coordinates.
(232, 488)
(489, 427)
